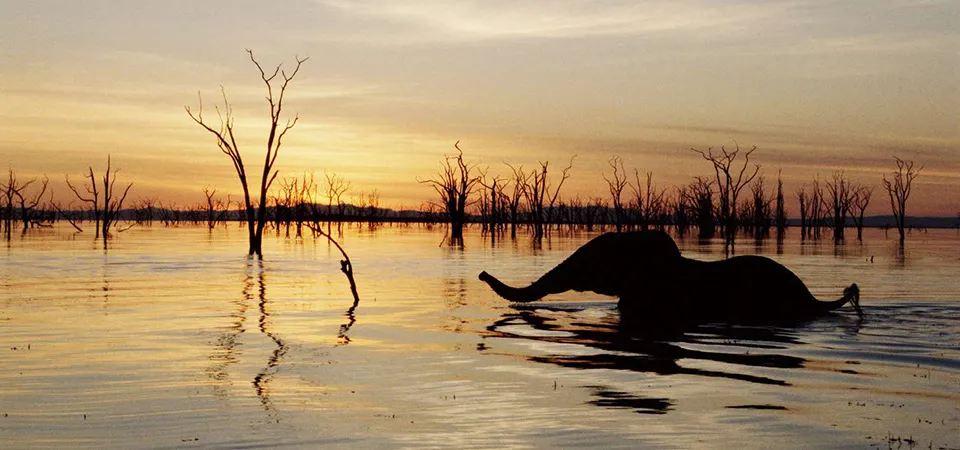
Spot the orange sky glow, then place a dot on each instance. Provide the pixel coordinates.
(816, 86)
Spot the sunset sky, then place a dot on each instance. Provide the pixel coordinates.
(817, 86)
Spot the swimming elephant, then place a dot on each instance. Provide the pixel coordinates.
(657, 285)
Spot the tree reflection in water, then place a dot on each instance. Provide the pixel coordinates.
(228, 345)
(262, 380)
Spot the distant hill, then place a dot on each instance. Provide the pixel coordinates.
(910, 222)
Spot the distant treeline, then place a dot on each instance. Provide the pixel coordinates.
(526, 199)
(569, 217)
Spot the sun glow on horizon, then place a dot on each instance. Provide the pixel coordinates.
(390, 87)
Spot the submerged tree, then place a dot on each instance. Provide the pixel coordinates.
(104, 205)
(256, 209)
(730, 181)
(758, 208)
(454, 184)
(700, 199)
(616, 187)
(780, 214)
(540, 200)
(26, 203)
(899, 190)
(649, 202)
(520, 185)
(859, 203)
(841, 196)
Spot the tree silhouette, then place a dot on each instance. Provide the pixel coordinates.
(861, 199)
(899, 190)
(730, 181)
(104, 204)
(616, 187)
(454, 184)
(256, 210)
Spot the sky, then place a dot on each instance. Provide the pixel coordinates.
(816, 86)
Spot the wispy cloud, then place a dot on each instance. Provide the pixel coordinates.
(468, 20)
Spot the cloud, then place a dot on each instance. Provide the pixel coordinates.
(529, 19)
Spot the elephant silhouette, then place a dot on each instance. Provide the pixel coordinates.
(657, 286)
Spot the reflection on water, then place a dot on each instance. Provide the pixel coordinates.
(262, 380)
(611, 345)
(174, 339)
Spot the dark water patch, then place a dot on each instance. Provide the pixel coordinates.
(759, 407)
(609, 398)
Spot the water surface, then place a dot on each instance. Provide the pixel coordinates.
(172, 338)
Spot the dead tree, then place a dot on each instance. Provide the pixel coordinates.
(730, 181)
(492, 203)
(649, 202)
(72, 217)
(144, 210)
(520, 186)
(899, 190)
(336, 187)
(104, 208)
(10, 190)
(759, 208)
(28, 204)
(840, 198)
(216, 209)
(816, 208)
(616, 187)
(859, 203)
(540, 200)
(256, 209)
(700, 199)
(454, 184)
(780, 214)
(16, 200)
(680, 207)
(803, 199)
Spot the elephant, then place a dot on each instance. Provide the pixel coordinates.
(657, 286)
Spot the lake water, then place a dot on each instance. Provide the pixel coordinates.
(172, 338)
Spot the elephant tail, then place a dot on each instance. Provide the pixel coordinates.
(851, 295)
(522, 295)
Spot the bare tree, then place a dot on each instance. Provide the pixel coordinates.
(680, 207)
(700, 193)
(336, 187)
(616, 187)
(104, 209)
(540, 201)
(10, 190)
(492, 203)
(780, 214)
(899, 190)
(759, 208)
(454, 184)
(730, 180)
(215, 209)
(841, 196)
(816, 207)
(256, 210)
(648, 202)
(803, 199)
(28, 203)
(520, 185)
(144, 210)
(859, 203)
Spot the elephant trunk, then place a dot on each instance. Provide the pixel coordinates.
(523, 295)
(850, 295)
